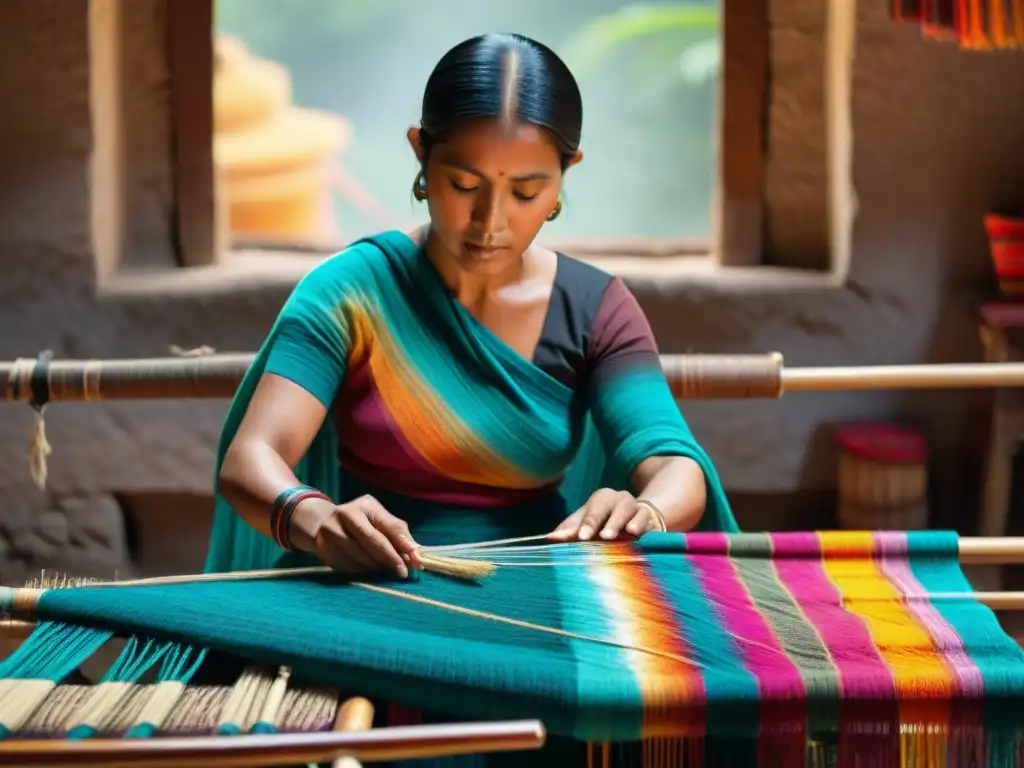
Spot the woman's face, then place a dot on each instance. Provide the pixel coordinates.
(490, 188)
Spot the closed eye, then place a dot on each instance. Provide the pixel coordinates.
(459, 188)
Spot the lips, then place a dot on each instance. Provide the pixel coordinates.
(483, 250)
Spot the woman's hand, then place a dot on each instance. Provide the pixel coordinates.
(607, 513)
(355, 537)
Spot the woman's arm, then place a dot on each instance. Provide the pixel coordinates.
(306, 363)
(675, 485)
(278, 427)
(647, 441)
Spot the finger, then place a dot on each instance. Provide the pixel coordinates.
(375, 544)
(598, 509)
(623, 512)
(395, 529)
(568, 529)
(640, 522)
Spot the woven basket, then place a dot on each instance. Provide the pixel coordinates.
(883, 478)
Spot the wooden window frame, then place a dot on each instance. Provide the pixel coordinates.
(739, 211)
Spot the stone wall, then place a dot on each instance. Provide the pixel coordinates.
(936, 144)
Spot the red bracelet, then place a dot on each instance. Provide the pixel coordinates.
(281, 514)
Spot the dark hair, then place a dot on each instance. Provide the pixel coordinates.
(491, 75)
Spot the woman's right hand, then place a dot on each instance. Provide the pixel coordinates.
(355, 537)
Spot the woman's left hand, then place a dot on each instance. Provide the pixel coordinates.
(607, 514)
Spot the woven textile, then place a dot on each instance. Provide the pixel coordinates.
(869, 642)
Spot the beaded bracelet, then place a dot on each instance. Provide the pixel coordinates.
(284, 506)
(657, 514)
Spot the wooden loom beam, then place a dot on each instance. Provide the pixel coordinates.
(254, 751)
(217, 376)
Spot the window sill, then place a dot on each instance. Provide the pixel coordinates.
(244, 271)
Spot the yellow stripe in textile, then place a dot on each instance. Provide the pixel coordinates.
(903, 643)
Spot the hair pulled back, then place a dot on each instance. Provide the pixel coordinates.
(502, 75)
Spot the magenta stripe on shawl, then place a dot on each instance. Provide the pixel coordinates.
(362, 413)
(862, 671)
(776, 674)
(893, 548)
(375, 450)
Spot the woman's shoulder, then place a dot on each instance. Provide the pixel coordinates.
(588, 288)
(360, 264)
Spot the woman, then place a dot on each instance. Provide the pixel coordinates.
(461, 383)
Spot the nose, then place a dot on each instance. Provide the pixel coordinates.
(490, 214)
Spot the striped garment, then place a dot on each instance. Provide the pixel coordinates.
(444, 423)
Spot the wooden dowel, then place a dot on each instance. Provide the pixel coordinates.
(941, 376)
(248, 751)
(996, 601)
(991, 550)
(355, 714)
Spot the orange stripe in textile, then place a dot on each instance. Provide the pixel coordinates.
(437, 434)
(924, 685)
(672, 691)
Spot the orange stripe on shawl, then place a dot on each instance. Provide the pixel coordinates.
(426, 422)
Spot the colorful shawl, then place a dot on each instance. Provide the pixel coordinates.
(461, 383)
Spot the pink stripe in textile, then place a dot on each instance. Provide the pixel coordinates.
(892, 549)
(862, 671)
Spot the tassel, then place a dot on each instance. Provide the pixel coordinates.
(38, 450)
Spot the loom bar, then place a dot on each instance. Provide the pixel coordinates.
(250, 751)
(216, 376)
(991, 550)
(941, 376)
(996, 601)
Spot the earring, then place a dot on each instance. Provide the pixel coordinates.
(556, 212)
(419, 187)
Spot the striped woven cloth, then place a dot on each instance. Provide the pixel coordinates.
(869, 642)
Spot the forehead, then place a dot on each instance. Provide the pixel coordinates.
(497, 148)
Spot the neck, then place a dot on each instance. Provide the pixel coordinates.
(468, 287)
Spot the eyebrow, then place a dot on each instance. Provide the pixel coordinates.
(535, 176)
